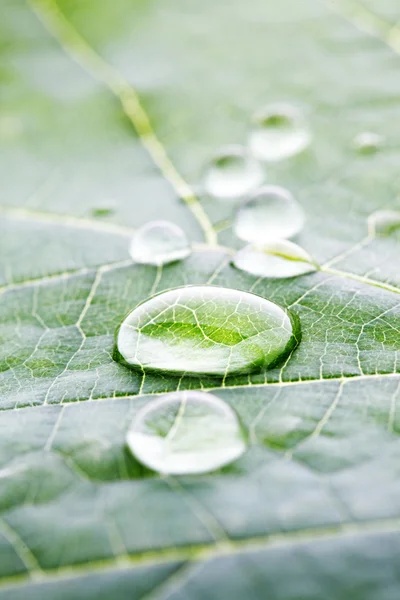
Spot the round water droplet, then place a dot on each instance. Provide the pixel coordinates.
(232, 173)
(269, 214)
(384, 222)
(279, 132)
(186, 432)
(368, 142)
(206, 330)
(275, 260)
(158, 243)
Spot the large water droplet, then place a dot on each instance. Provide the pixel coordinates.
(271, 213)
(275, 260)
(199, 330)
(158, 243)
(186, 432)
(279, 132)
(384, 222)
(232, 173)
(368, 142)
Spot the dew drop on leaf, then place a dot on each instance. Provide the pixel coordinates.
(269, 214)
(186, 432)
(158, 243)
(384, 222)
(368, 142)
(102, 211)
(206, 330)
(279, 131)
(232, 173)
(275, 260)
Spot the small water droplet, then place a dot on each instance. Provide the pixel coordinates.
(102, 211)
(368, 142)
(232, 174)
(275, 260)
(158, 243)
(206, 330)
(271, 213)
(279, 132)
(186, 432)
(384, 222)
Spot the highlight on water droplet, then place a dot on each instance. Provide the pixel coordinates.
(232, 173)
(186, 432)
(368, 142)
(279, 132)
(206, 330)
(271, 213)
(384, 222)
(275, 260)
(158, 243)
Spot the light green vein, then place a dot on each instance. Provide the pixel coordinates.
(362, 279)
(27, 214)
(78, 48)
(204, 552)
(369, 22)
(22, 550)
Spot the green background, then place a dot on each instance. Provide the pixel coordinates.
(312, 510)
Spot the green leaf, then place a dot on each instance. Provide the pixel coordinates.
(110, 111)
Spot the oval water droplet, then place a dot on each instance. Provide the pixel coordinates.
(368, 142)
(232, 173)
(270, 214)
(186, 432)
(275, 260)
(384, 222)
(206, 330)
(279, 132)
(158, 243)
(102, 211)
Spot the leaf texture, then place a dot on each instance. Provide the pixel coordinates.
(116, 107)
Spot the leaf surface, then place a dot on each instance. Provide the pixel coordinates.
(113, 109)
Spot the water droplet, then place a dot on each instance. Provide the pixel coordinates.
(279, 132)
(275, 260)
(102, 211)
(232, 174)
(269, 214)
(158, 243)
(206, 330)
(186, 432)
(384, 222)
(368, 142)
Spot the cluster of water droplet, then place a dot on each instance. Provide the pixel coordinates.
(268, 215)
(199, 330)
(207, 330)
(213, 331)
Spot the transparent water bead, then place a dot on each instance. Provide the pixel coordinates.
(186, 432)
(275, 260)
(269, 214)
(279, 132)
(206, 330)
(232, 173)
(384, 222)
(158, 243)
(368, 142)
